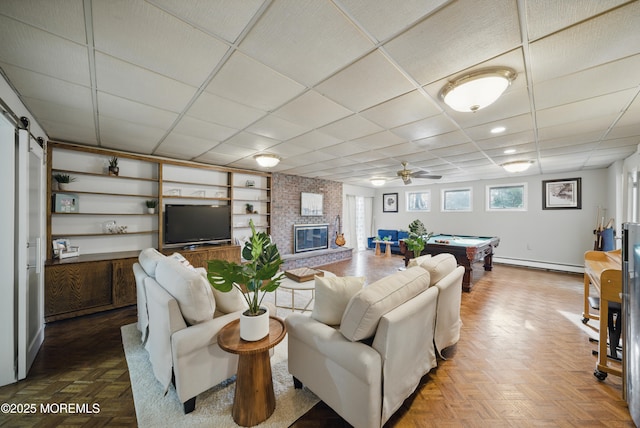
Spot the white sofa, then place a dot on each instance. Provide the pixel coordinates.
(365, 367)
(180, 315)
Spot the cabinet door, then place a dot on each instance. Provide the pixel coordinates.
(76, 286)
(198, 258)
(124, 282)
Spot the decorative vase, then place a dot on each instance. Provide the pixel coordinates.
(254, 327)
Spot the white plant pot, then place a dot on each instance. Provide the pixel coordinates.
(254, 328)
(151, 210)
(62, 186)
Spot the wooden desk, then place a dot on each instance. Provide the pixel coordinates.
(604, 271)
(254, 400)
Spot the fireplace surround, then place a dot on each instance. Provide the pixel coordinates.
(310, 237)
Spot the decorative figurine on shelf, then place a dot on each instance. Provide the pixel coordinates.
(249, 209)
(113, 166)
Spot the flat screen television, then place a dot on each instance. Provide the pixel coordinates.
(186, 225)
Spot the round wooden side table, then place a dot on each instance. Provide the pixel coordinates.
(254, 400)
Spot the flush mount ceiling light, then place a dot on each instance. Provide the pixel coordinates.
(476, 90)
(517, 166)
(267, 160)
(378, 181)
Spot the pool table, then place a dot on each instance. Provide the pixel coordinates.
(466, 249)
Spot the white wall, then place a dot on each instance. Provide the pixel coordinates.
(557, 238)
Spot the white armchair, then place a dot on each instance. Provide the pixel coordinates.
(365, 368)
(184, 320)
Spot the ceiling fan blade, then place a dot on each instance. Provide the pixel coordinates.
(425, 174)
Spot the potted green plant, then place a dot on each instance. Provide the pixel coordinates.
(418, 237)
(113, 166)
(63, 180)
(151, 205)
(254, 278)
(249, 208)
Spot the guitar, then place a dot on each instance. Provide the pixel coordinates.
(339, 235)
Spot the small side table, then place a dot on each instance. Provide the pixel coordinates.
(254, 400)
(387, 250)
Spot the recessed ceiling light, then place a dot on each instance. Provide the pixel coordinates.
(509, 151)
(517, 166)
(498, 129)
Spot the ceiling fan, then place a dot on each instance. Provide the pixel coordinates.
(407, 174)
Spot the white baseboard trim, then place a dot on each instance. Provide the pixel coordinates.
(539, 265)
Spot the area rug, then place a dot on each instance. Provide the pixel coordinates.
(213, 407)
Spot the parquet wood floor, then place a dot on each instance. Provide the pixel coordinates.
(523, 360)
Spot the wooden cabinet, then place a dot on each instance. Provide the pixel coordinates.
(198, 257)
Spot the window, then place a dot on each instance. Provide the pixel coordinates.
(456, 200)
(508, 197)
(419, 201)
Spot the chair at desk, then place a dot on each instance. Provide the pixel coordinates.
(614, 326)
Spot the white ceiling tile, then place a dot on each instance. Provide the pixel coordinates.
(225, 18)
(248, 82)
(144, 35)
(512, 125)
(251, 141)
(606, 38)
(312, 110)
(456, 37)
(598, 108)
(62, 18)
(212, 108)
(351, 128)
(46, 88)
(314, 140)
(383, 18)
(306, 40)
(443, 140)
(138, 84)
(344, 149)
(230, 149)
(130, 111)
(506, 141)
(120, 135)
(274, 127)
(379, 140)
(181, 146)
(424, 128)
(607, 78)
(369, 81)
(548, 16)
(203, 130)
(399, 151)
(402, 110)
(216, 158)
(63, 115)
(39, 51)
(460, 149)
(289, 149)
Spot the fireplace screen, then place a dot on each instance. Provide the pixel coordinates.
(308, 237)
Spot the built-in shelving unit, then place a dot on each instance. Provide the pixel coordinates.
(101, 277)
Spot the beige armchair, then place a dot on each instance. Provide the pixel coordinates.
(368, 365)
(184, 319)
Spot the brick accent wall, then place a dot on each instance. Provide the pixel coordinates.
(285, 207)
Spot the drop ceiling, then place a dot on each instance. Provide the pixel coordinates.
(342, 90)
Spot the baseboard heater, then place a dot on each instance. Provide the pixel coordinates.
(539, 265)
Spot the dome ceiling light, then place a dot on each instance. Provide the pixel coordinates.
(478, 89)
(517, 166)
(266, 160)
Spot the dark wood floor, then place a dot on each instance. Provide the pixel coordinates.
(522, 360)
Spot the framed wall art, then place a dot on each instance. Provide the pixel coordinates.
(390, 203)
(310, 204)
(562, 194)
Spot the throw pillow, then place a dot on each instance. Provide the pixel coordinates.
(228, 302)
(332, 294)
(418, 260)
(191, 291)
(360, 319)
(439, 266)
(148, 259)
